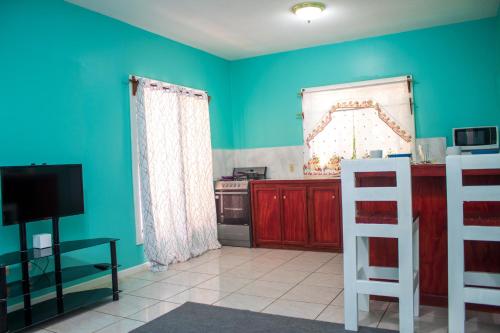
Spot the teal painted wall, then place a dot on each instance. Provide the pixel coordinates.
(451, 65)
(498, 51)
(65, 96)
(65, 99)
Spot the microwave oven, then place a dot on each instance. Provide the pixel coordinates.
(473, 138)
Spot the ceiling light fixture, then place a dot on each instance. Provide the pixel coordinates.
(308, 10)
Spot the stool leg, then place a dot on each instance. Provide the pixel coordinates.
(456, 299)
(363, 246)
(350, 277)
(3, 300)
(456, 304)
(416, 301)
(405, 251)
(416, 268)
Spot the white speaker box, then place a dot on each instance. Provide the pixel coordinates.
(42, 241)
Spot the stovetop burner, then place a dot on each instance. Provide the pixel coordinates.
(240, 178)
(249, 173)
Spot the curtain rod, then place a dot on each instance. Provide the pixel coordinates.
(135, 84)
(407, 78)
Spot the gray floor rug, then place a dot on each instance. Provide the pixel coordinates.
(201, 318)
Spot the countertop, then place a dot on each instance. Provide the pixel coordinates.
(297, 180)
(417, 170)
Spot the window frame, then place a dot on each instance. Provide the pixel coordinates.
(408, 79)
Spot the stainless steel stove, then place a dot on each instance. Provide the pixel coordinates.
(232, 199)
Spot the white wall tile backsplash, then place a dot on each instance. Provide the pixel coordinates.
(223, 162)
(281, 162)
(286, 162)
(436, 149)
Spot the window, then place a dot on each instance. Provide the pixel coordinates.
(349, 120)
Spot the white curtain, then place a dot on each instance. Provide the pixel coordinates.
(347, 121)
(175, 173)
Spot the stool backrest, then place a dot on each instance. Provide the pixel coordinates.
(457, 193)
(401, 193)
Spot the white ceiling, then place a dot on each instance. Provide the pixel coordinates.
(235, 29)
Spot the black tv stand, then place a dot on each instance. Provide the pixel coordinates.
(31, 315)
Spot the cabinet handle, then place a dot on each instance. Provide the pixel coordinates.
(284, 197)
(333, 196)
(274, 197)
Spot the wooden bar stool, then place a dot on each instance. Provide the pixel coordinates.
(466, 286)
(357, 272)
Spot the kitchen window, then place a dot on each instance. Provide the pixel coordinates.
(347, 121)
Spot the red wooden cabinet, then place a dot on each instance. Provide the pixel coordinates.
(306, 212)
(325, 227)
(266, 220)
(294, 215)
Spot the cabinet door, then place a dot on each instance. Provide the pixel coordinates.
(266, 216)
(294, 217)
(325, 228)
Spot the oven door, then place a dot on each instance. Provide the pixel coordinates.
(232, 207)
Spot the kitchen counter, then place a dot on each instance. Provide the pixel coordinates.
(418, 170)
(297, 180)
(429, 202)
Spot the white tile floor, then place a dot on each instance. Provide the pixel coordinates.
(291, 283)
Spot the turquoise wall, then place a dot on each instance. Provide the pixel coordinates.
(498, 51)
(451, 65)
(65, 96)
(65, 99)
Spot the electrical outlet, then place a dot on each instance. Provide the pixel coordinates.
(291, 167)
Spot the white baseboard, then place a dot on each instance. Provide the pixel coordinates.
(84, 285)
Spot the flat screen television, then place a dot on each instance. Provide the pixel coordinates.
(40, 192)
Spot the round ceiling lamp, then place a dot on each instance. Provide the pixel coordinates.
(308, 10)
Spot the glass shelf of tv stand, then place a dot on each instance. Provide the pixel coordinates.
(47, 310)
(47, 280)
(13, 258)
